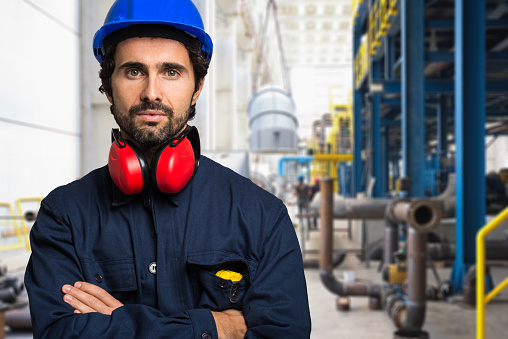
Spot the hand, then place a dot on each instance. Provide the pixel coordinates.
(85, 298)
(230, 324)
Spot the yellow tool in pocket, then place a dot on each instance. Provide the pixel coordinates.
(229, 275)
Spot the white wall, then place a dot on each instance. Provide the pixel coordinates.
(39, 96)
(96, 118)
(496, 154)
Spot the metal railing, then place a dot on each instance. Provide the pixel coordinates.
(24, 227)
(481, 298)
(11, 221)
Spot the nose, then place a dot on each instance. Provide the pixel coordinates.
(152, 90)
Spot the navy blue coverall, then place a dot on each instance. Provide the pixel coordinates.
(159, 254)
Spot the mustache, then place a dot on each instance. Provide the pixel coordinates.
(155, 106)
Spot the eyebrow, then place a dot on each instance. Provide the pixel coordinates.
(173, 65)
(132, 64)
(164, 65)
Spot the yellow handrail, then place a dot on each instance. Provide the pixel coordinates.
(481, 298)
(24, 228)
(14, 223)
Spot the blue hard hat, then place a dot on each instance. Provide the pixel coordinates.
(181, 14)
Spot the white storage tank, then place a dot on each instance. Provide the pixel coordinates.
(272, 121)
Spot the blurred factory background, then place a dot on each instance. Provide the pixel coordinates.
(396, 109)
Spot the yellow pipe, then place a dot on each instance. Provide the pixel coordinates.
(333, 157)
(496, 291)
(481, 300)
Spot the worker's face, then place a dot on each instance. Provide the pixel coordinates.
(153, 88)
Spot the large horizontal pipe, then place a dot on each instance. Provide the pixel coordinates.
(422, 214)
(495, 250)
(375, 208)
(18, 319)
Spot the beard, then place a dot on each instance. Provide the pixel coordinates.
(150, 134)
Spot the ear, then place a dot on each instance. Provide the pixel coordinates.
(196, 94)
(110, 98)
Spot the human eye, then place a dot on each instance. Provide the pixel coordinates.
(133, 73)
(172, 73)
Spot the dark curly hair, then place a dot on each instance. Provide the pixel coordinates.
(199, 64)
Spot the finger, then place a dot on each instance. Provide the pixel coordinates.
(98, 293)
(84, 301)
(78, 306)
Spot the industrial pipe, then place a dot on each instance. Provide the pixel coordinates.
(422, 216)
(18, 319)
(410, 314)
(375, 208)
(446, 200)
(336, 286)
(391, 242)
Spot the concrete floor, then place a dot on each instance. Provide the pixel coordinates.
(449, 319)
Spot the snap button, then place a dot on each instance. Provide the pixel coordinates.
(147, 202)
(98, 277)
(223, 283)
(206, 336)
(152, 268)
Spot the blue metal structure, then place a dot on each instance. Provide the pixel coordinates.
(412, 120)
(356, 182)
(377, 151)
(429, 75)
(469, 133)
(303, 161)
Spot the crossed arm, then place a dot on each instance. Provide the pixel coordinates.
(85, 298)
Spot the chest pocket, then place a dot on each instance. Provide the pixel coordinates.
(213, 292)
(114, 276)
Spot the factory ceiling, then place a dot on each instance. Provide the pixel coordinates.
(313, 33)
(316, 33)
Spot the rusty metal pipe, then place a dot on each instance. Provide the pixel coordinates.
(391, 241)
(367, 208)
(18, 319)
(409, 313)
(417, 280)
(326, 251)
(421, 215)
(326, 213)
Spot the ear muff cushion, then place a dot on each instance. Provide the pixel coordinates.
(174, 167)
(127, 168)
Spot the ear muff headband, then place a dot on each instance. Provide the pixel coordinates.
(127, 165)
(173, 165)
(175, 162)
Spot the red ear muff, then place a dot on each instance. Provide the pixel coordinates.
(127, 165)
(176, 162)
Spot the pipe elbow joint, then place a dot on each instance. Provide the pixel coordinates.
(331, 283)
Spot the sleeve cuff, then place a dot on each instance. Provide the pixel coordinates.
(203, 324)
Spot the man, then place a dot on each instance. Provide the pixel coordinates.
(162, 243)
(302, 192)
(313, 190)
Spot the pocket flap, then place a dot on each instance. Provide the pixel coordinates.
(111, 275)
